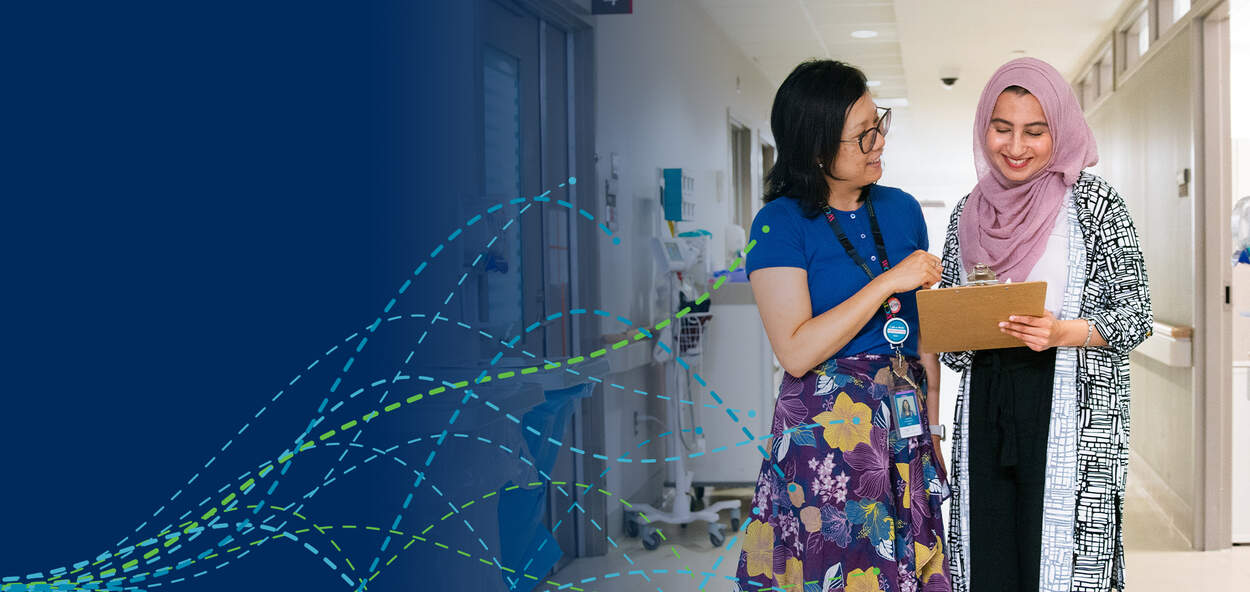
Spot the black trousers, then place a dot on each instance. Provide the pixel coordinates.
(1009, 420)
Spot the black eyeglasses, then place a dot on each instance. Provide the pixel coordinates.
(868, 139)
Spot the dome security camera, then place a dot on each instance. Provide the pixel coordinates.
(949, 75)
(949, 81)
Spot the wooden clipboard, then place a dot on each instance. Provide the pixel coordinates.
(966, 317)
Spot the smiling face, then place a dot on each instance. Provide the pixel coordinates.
(851, 164)
(1018, 139)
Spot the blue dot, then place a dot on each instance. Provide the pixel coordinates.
(616, 240)
(793, 488)
(855, 420)
(572, 180)
(751, 413)
(755, 510)
(698, 429)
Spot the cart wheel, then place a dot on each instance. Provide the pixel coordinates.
(716, 533)
(631, 525)
(651, 540)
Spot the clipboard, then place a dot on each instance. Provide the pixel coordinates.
(963, 318)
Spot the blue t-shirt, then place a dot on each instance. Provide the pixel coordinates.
(793, 240)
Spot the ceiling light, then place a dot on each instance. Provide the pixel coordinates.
(863, 34)
(892, 102)
(874, 83)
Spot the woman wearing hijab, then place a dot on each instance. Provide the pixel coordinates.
(846, 498)
(1041, 431)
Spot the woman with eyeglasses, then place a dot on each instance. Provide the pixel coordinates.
(1041, 430)
(848, 497)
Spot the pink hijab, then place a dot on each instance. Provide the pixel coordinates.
(1006, 224)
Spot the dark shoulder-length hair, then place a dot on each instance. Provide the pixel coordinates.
(808, 116)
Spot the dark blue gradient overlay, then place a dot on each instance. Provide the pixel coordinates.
(199, 201)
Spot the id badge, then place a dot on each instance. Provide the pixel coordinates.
(906, 413)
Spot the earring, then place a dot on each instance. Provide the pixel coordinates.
(820, 165)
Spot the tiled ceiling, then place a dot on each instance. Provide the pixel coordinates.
(777, 34)
(917, 43)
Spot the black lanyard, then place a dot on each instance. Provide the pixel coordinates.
(854, 254)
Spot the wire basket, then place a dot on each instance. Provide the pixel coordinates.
(690, 334)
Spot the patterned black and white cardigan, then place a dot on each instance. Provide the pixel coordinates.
(1088, 451)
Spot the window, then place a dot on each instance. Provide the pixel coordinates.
(1088, 88)
(1106, 72)
(1098, 80)
(740, 181)
(1134, 38)
(1171, 12)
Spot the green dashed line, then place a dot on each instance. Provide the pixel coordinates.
(437, 390)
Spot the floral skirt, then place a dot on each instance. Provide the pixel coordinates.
(841, 503)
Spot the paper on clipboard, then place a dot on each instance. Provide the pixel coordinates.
(966, 317)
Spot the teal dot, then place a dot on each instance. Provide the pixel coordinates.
(765, 229)
(855, 420)
(572, 180)
(793, 488)
(751, 413)
(755, 510)
(698, 429)
(616, 240)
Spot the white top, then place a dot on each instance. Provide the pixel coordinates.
(1052, 268)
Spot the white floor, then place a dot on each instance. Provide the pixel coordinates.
(1158, 560)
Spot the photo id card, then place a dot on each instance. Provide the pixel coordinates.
(907, 414)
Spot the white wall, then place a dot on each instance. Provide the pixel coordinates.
(1239, 65)
(1145, 136)
(667, 79)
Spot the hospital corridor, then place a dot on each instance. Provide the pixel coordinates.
(627, 295)
(680, 143)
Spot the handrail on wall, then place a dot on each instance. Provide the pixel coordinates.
(1172, 345)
